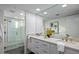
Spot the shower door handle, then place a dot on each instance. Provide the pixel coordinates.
(4, 32)
(1, 38)
(16, 33)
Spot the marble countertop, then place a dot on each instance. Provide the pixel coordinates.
(70, 44)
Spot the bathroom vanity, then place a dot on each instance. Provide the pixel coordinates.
(41, 45)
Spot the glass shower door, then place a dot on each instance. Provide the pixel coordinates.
(15, 32)
(11, 32)
(20, 31)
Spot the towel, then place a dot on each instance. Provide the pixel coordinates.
(60, 46)
(28, 36)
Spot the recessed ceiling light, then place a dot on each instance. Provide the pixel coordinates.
(65, 5)
(37, 9)
(21, 14)
(45, 12)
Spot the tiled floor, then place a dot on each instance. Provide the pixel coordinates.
(19, 50)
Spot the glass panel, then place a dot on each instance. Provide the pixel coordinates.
(11, 31)
(19, 31)
(15, 31)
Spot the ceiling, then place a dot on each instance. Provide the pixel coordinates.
(59, 11)
(53, 10)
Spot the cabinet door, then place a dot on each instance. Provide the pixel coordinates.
(44, 47)
(39, 47)
(29, 43)
(70, 51)
(53, 49)
(35, 45)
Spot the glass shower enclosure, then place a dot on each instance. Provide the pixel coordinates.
(14, 30)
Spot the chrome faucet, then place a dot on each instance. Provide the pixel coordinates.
(67, 36)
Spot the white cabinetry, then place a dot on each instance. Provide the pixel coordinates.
(53, 49)
(44, 47)
(41, 47)
(70, 51)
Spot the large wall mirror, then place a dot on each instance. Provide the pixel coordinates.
(63, 20)
(55, 26)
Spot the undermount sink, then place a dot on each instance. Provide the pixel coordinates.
(59, 40)
(69, 42)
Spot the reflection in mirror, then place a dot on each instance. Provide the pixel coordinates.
(67, 20)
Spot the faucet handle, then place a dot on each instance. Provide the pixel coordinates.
(67, 35)
(70, 39)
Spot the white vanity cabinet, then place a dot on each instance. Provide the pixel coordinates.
(41, 47)
(53, 49)
(70, 51)
(44, 47)
(35, 46)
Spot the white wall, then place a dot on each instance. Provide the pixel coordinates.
(73, 25)
(34, 24)
(68, 25)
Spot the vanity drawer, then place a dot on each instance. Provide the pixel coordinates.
(35, 46)
(70, 51)
(35, 42)
(43, 51)
(53, 49)
(39, 47)
(44, 45)
(35, 50)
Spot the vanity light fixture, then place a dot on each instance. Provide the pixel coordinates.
(65, 5)
(45, 13)
(37, 9)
